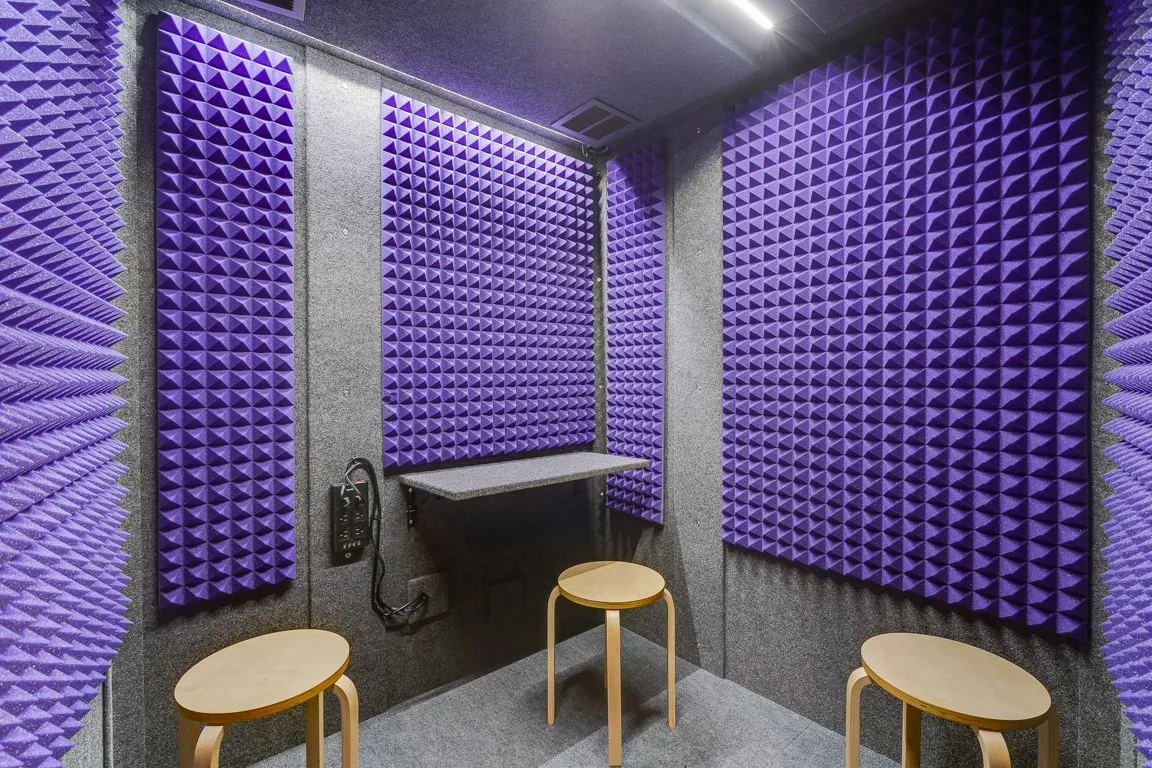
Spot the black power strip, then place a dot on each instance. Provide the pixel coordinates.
(362, 500)
(350, 526)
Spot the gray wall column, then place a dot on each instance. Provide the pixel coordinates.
(688, 549)
(343, 339)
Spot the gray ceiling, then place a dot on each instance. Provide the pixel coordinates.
(539, 59)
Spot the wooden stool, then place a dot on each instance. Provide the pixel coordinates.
(261, 677)
(612, 587)
(959, 683)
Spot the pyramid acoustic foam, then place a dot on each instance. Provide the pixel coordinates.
(224, 233)
(906, 314)
(1128, 627)
(636, 329)
(487, 290)
(61, 602)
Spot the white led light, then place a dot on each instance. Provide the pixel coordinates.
(751, 11)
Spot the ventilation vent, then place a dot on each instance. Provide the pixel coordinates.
(595, 122)
(293, 8)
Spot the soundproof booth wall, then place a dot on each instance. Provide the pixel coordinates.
(907, 310)
(61, 581)
(848, 321)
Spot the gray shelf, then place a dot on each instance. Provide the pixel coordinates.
(479, 480)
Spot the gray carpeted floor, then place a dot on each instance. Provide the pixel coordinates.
(498, 721)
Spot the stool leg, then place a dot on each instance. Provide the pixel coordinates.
(208, 747)
(671, 658)
(189, 731)
(552, 655)
(1050, 741)
(345, 691)
(993, 748)
(615, 750)
(910, 753)
(857, 682)
(314, 731)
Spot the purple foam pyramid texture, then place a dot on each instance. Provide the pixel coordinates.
(636, 329)
(61, 602)
(906, 314)
(224, 282)
(1128, 627)
(487, 290)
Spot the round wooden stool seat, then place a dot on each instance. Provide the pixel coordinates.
(956, 681)
(610, 585)
(262, 676)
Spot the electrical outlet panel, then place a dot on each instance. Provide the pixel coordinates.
(348, 510)
(435, 585)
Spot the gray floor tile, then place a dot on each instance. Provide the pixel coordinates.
(818, 747)
(717, 721)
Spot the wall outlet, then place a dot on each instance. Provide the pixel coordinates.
(435, 585)
(348, 521)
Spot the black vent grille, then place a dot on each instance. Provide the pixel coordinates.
(595, 122)
(293, 8)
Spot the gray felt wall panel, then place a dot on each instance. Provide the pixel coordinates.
(88, 744)
(125, 677)
(342, 123)
(688, 550)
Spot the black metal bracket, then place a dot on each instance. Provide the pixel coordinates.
(410, 496)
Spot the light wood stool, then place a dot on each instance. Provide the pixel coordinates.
(612, 587)
(261, 677)
(959, 683)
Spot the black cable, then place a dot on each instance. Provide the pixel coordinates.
(402, 615)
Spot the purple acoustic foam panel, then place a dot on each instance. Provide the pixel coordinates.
(636, 329)
(906, 314)
(487, 290)
(1129, 575)
(224, 233)
(61, 603)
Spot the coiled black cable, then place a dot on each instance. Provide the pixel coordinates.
(401, 616)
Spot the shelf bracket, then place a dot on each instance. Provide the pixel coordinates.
(410, 497)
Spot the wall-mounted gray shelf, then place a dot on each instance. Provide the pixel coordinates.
(478, 480)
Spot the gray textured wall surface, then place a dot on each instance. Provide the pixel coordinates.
(88, 744)
(123, 704)
(501, 555)
(687, 549)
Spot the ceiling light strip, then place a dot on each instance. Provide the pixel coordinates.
(752, 11)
